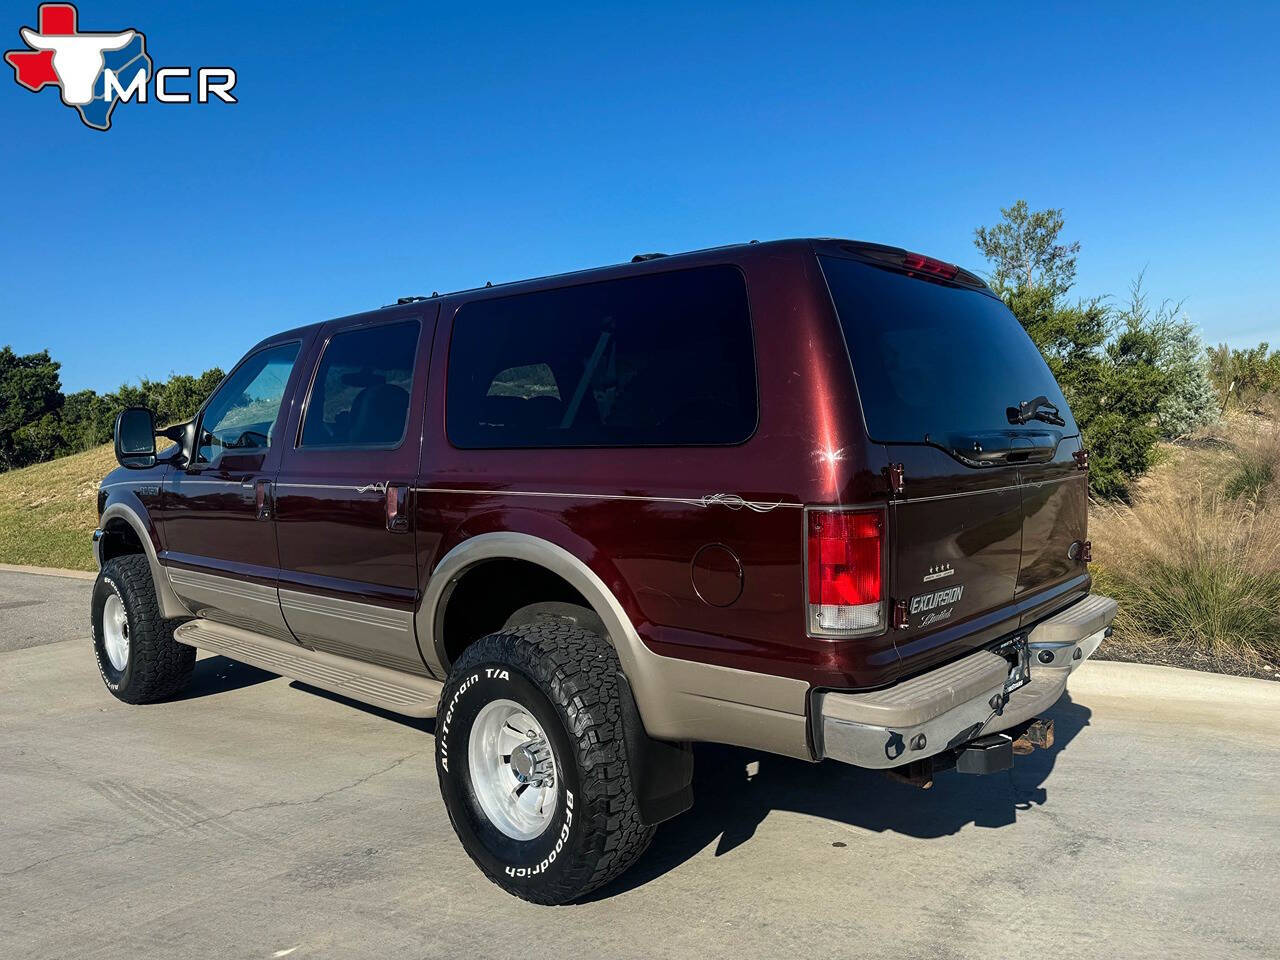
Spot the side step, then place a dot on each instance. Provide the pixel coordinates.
(374, 685)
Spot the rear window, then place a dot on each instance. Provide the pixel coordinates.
(658, 360)
(933, 360)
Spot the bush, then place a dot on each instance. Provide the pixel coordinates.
(1251, 481)
(1244, 377)
(1196, 574)
(1257, 445)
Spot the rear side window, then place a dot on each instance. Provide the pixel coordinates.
(933, 360)
(659, 360)
(360, 397)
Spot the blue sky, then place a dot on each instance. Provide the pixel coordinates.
(420, 148)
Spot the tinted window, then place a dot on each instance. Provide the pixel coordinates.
(932, 359)
(361, 392)
(664, 359)
(242, 412)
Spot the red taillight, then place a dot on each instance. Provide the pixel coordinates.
(845, 570)
(922, 264)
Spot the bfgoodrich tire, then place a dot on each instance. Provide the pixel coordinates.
(138, 658)
(532, 762)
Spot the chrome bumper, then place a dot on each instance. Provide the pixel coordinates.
(948, 707)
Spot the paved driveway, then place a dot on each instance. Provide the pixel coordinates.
(36, 609)
(259, 818)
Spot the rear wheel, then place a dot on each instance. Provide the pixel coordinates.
(138, 658)
(532, 762)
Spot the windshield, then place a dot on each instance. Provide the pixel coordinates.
(933, 360)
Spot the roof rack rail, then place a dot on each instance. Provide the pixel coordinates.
(403, 300)
(642, 257)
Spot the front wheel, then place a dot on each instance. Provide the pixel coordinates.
(138, 658)
(532, 762)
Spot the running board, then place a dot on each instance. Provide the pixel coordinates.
(377, 686)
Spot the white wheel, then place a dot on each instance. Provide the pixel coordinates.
(115, 631)
(513, 770)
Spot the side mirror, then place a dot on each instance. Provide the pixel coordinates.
(135, 435)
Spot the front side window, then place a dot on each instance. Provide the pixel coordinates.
(361, 392)
(241, 415)
(665, 359)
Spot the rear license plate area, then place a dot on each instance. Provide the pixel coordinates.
(1018, 654)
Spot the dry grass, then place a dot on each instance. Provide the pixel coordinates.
(1257, 446)
(1195, 561)
(48, 511)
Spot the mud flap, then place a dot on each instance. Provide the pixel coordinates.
(661, 771)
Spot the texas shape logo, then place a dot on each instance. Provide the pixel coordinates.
(76, 62)
(95, 71)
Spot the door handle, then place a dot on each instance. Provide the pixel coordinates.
(262, 498)
(398, 508)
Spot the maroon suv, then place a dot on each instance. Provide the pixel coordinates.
(814, 497)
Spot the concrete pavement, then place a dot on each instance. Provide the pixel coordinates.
(259, 818)
(37, 608)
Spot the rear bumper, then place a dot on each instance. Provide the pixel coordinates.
(947, 707)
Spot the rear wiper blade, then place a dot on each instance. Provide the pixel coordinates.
(1038, 409)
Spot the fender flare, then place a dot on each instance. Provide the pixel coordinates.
(170, 606)
(510, 545)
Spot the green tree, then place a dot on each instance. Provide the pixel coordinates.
(38, 423)
(1184, 397)
(1243, 376)
(86, 420)
(1025, 251)
(1107, 363)
(30, 391)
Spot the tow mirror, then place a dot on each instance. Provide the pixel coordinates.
(135, 435)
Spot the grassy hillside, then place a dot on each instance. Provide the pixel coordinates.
(48, 511)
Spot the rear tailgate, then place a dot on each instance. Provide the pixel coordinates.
(956, 544)
(938, 364)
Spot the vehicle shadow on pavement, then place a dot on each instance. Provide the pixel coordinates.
(214, 675)
(424, 724)
(735, 790)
